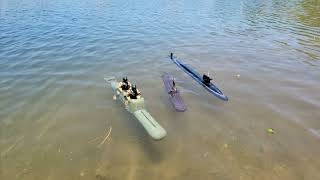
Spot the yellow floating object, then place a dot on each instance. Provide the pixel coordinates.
(270, 131)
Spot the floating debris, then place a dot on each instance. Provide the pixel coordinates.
(59, 149)
(270, 131)
(205, 154)
(4, 153)
(92, 140)
(104, 140)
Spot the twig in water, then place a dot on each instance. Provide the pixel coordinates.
(4, 153)
(92, 140)
(104, 140)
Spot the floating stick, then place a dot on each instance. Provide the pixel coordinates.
(104, 140)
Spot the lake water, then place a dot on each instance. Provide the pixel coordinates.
(56, 108)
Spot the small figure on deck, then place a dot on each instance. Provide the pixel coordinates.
(125, 84)
(173, 88)
(134, 93)
(206, 79)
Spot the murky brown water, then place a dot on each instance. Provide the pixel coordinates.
(55, 107)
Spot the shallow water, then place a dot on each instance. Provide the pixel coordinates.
(55, 107)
